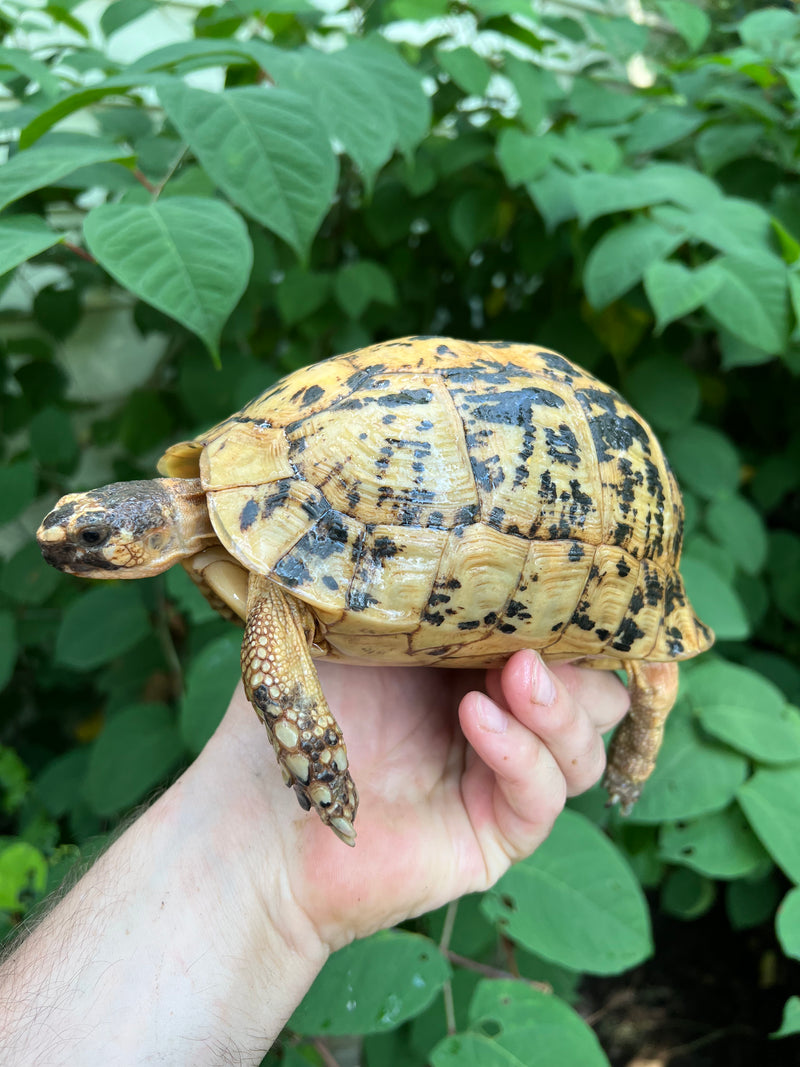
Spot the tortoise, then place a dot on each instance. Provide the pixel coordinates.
(420, 501)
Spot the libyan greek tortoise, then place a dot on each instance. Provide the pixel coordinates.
(422, 501)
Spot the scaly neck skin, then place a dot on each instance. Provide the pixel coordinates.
(192, 524)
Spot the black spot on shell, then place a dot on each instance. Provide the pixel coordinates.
(316, 507)
(507, 628)
(361, 377)
(622, 567)
(384, 548)
(517, 610)
(583, 621)
(471, 624)
(627, 633)
(277, 498)
(466, 515)
(491, 618)
(314, 392)
(330, 582)
(406, 397)
(562, 445)
(488, 473)
(292, 571)
(575, 553)
(496, 517)
(359, 600)
(557, 363)
(249, 515)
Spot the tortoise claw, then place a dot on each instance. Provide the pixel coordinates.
(621, 791)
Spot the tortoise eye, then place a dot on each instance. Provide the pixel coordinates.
(94, 536)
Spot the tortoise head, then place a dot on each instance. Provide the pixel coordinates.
(126, 529)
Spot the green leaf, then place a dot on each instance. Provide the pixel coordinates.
(466, 68)
(100, 625)
(137, 747)
(17, 489)
(188, 257)
(751, 301)
(705, 460)
(122, 13)
(14, 780)
(23, 875)
(36, 168)
(210, 682)
(351, 104)
(686, 895)
(21, 238)
(784, 567)
(472, 1050)
(553, 197)
(720, 144)
(750, 902)
(715, 602)
(737, 353)
(60, 783)
(534, 87)
(620, 258)
(768, 29)
(738, 227)
(787, 924)
(362, 283)
(661, 127)
(22, 61)
(575, 902)
(372, 985)
(657, 183)
(400, 85)
(771, 802)
(691, 22)
(674, 290)
(301, 293)
(693, 776)
(26, 577)
(720, 845)
(53, 438)
(745, 710)
(8, 647)
(739, 528)
(791, 1019)
(528, 1028)
(665, 390)
(265, 148)
(523, 157)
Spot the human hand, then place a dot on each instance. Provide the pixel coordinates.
(216, 908)
(445, 808)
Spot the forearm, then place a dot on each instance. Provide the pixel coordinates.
(163, 952)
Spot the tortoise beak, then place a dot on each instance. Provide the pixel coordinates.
(55, 535)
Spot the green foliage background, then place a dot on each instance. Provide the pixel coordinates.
(282, 184)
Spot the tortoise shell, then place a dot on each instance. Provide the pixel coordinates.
(451, 502)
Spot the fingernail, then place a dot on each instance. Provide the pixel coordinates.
(490, 717)
(543, 689)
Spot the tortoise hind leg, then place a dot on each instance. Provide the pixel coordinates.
(632, 754)
(282, 684)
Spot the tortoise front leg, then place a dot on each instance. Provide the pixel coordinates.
(632, 754)
(282, 684)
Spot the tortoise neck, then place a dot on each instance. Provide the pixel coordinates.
(190, 511)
